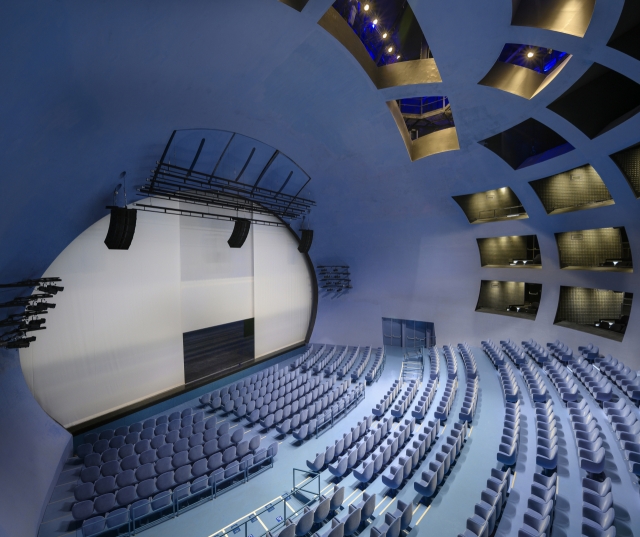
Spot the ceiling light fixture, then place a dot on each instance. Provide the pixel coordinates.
(390, 49)
(398, 57)
(366, 7)
(375, 21)
(530, 54)
(384, 35)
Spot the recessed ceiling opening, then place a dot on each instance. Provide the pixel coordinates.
(600, 100)
(298, 5)
(386, 40)
(521, 251)
(600, 312)
(626, 36)
(566, 16)
(525, 70)
(603, 250)
(574, 190)
(628, 160)
(527, 143)
(426, 125)
(491, 206)
(512, 299)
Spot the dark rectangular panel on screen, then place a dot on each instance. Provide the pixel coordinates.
(213, 350)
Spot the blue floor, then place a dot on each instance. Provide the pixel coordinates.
(454, 502)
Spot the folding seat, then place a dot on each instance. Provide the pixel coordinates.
(404, 512)
(84, 491)
(101, 446)
(322, 510)
(93, 459)
(157, 441)
(146, 471)
(182, 474)
(196, 440)
(186, 431)
(215, 461)
(163, 428)
(162, 501)
(229, 455)
(146, 488)
(117, 441)
(105, 485)
(196, 453)
(592, 516)
(317, 464)
(210, 447)
(231, 470)
(111, 468)
(166, 450)
(181, 445)
(237, 435)
(165, 481)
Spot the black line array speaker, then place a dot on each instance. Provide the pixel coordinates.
(305, 241)
(121, 228)
(240, 232)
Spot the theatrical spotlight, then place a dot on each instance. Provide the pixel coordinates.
(18, 343)
(240, 232)
(40, 307)
(51, 289)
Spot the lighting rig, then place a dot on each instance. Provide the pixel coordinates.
(334, 278)
(17, 325)
(195, 189)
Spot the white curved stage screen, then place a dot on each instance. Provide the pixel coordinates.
(116, 335)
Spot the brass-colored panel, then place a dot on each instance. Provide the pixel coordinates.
(410, 72)
(519, 80)
(387, 76)
(567, 16)
(298, 5)
(513, 79)
(431, 144)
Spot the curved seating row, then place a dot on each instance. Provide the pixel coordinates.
(317, 364)
(376, 366)
(314, 517)
(422, 407)
(470, 402)
(562, 380)
(444, 459)
(395, 522)
(378, 455)
(510, 440)
(374, 464)
(538, 518)
(449, 395)
(377, 433)
(591, 453)
(364, 361)
(403, 462)
(402, 405)
(381, 408)
(598, 513)
(547, 436)
(469, 361)
(515, 353)
(492, 501)
(344, 358)
(344, 367)
(625, 424)
(434, 358)
(536, 386)
(452, 363)
(599, 386)
(300, 360)
(624, 377)
(494, 353)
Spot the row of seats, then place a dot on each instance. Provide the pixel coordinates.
(409, 459)
(434, 359)
(376, 366)
(448, 397)
(328, 357)
(562, 380)
(624, 377)
(309, 518)
(342, 404)
(320, 397)
(395, 521)
(536, 386)
(381, 408)
(470, 401)
(116, 509)
(469, 361)
(341, 360)
(422, 407)
(355, 450)
(344, 368)
(329, 454)
(364, 361)
(587, 436)
(492, 501)
(510, 440)
(444, 459)
(452, 363)
(599, 386)
(515, 353)
(303, 358)
(598, 513)
(625, 424)
(376, 462)
(547, 436)
(402, 405)
(538, 518)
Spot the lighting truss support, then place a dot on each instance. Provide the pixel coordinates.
(206, 216)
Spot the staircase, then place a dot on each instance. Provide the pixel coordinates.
(413, 365)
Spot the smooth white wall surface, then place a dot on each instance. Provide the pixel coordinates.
(115, 336)
(216, 281)
(282, 290)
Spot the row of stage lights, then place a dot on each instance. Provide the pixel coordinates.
(374, 22)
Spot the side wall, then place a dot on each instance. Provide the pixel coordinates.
(33, 448)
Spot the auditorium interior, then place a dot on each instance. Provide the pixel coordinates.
(320, 268)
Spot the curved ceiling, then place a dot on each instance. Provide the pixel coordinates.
(91, 89)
